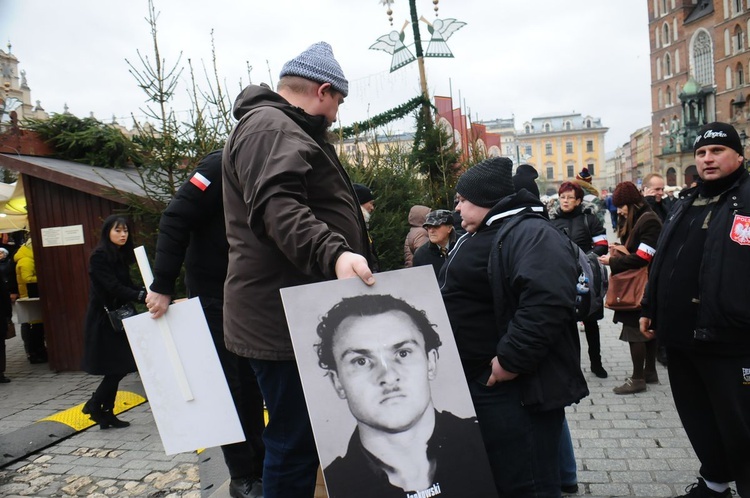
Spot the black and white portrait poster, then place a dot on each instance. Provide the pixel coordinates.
(387, 397)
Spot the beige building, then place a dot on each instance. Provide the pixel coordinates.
(560, 145)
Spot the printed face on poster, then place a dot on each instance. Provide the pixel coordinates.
(386, 393)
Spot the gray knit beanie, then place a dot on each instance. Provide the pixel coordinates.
(317, 64)
(488, 182)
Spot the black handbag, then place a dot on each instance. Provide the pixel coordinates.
(116, 316)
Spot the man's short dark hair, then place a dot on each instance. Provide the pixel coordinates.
(368, 305)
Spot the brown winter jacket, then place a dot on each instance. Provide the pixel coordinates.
(290, 213)
(417, 233)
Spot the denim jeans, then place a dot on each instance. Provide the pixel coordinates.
(568, 470)
(290, 468)
(523, 446)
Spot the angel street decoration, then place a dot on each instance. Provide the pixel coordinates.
(393, 43)
(441, 30)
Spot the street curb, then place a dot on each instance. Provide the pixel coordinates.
(53, 429)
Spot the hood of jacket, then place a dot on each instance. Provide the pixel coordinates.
(417, 215)
(23, 252)
(254, 96)
(511, 205)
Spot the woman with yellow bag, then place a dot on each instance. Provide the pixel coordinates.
(638, 228)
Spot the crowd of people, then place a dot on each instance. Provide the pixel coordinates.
(290, 215)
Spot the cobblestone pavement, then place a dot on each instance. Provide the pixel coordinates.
(630, 445)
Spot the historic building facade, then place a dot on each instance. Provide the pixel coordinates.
(15, 94)
(700, 63)
(560, 145)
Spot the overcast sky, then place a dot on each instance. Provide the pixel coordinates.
(514, 57)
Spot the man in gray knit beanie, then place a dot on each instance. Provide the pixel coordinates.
(292, 217)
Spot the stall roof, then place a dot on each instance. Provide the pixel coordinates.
(94, 180)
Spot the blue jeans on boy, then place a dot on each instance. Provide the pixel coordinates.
(291, 464)
(523, 446)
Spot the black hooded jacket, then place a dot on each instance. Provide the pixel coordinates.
(524, 315)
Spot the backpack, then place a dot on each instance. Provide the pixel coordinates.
(588, 301)
(591, 285)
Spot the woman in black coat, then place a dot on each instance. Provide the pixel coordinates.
(585, 229)
(107, 351)
(638, 228)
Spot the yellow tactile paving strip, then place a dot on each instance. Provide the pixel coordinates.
(76, 419)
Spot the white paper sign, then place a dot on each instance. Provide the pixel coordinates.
(62, 236)
(210, 418)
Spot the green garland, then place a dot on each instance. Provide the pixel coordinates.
(384, 118)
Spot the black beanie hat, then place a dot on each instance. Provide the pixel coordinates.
(721, 134)
(364, 194)
(626, 193)
(524, 178)
(486, 183)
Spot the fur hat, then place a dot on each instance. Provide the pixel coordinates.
(364, 194)
(486, 183)
(438, 217)
(720, 134)
(317, 64)
(584, 175)
(626, 193)
(524, 178)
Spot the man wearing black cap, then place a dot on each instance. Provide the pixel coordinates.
(292, 218)
(697, 303)
(515, 330)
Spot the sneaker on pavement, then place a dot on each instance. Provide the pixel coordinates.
(700, 490)
(631, 386)
(246, 487)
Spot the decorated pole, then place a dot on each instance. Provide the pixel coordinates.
(394, 44)
(420, 56)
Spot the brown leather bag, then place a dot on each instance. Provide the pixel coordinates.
(11, 332)
(626, 288)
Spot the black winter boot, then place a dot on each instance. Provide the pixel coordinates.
(113, 421)
(95, 413)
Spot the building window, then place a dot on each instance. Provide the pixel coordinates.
(667, 66)
(669, 96)
(665, 34)
(740, 75)
(703, 59)
(589, 146)
(528, 129)
(568, 147)
(658, 68)
(547, 127)
(737, 6)
(568, 126)
(548, 149)
(728, 76)
(663, 7)
(550, 173)
(660, 98)
(590, 167)
(738, 40)
(571, 171)
(588, 123)
(528, 150)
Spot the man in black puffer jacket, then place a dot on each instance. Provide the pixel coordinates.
(515, 330)
(697, 302)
